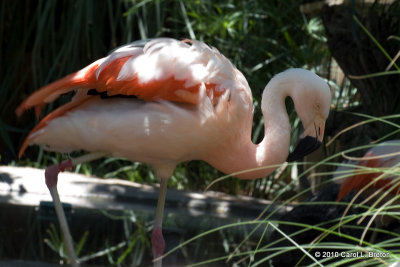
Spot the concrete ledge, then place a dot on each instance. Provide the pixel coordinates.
(25, 186)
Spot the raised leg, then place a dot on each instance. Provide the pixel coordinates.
(51, 176)
(157, 239)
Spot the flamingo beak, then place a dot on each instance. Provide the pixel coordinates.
(311, 141)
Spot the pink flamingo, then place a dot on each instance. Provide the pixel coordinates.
(188, 102)
(385, 155)
(375, 178)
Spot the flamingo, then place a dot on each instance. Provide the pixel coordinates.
(380, 188)
(164, 101)
(384, 155)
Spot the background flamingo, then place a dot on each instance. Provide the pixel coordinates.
(375, 179)
(366, 175)
(166, 101)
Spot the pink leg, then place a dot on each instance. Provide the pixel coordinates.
(51, 176)
(157, 239)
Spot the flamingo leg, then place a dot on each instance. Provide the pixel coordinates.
(51, 176)
(157, 239)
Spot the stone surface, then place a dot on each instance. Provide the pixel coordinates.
(26, 186)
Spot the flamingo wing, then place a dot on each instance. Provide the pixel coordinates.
(360, 180)
(161, 68)
(151, 70)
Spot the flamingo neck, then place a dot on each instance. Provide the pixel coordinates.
(272, 150)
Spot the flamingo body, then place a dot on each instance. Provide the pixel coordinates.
(189, 103)
(192, 104)
(140, 131)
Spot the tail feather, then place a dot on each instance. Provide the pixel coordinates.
(85, 78)
(76, 101)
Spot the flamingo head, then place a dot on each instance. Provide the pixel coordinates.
(312, 99)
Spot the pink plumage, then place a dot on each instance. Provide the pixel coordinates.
(203, 110)
(192, 103)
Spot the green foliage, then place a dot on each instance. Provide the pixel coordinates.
(131, 247)
(56, 242)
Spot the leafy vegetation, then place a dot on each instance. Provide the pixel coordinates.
(42, 41)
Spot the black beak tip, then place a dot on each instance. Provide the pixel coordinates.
(306, 146)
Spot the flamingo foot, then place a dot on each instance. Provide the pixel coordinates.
(51, 172)
(157, 242)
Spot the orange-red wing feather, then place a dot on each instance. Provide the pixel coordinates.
(165, 89)
(358, 181)
(83, 79)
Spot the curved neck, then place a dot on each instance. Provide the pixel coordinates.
(272, 150)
